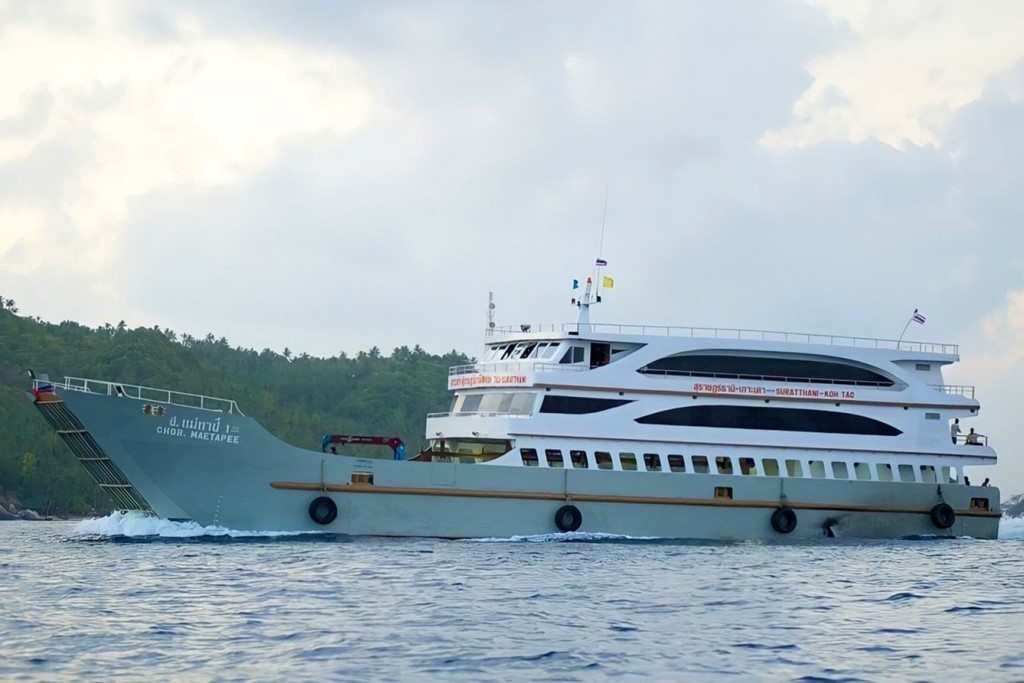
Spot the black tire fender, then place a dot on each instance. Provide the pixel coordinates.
(943, 516)
(323, 510)
(784, 520)
(568, 518)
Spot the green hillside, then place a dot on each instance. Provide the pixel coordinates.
(298, 398)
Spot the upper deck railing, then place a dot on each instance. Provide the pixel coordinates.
(733, 333)
(510, 366)
(149, 394)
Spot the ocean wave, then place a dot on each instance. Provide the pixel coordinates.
(566, 537)
(1011, 528)
(135, 524)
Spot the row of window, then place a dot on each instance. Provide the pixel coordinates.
(521, 351)
(778, 368)
(501, 402)
(745, 466)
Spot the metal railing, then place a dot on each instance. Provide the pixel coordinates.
(965, 390)
(150, 394)
(732, 333)
(972, 439)
(511, 366)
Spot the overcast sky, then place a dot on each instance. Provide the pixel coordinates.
(335, 176)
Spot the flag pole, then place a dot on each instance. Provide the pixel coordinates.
(909, 320)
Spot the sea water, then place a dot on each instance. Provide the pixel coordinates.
(128, 597)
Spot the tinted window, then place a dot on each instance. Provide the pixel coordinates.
(579, 405)
(604, 460)
(578, 459)
(652, 462)
(529, 456)
(628, 461)
(554, 457)
(761, 367)
(778, 419)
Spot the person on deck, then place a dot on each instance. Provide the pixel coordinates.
(954, 429)
(973, 439)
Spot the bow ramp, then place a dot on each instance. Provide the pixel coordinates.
(89, 453)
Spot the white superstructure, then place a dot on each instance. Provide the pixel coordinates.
(706, 400)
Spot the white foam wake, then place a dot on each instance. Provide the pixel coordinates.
(138, 524)
(1011, 528)
(566, 537)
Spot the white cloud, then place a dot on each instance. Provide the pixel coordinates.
(905, 70)
(190, 109)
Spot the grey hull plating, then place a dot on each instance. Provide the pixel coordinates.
(227, 470)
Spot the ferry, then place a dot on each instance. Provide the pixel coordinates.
(636, 430)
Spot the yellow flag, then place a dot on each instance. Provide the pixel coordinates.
(607, 282)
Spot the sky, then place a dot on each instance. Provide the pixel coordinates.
(334, 176)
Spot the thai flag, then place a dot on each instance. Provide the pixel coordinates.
(918, 317)
(601, 262)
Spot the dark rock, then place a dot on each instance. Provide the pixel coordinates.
(1014, 506)
(6, 515)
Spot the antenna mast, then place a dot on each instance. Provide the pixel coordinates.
(490, 313)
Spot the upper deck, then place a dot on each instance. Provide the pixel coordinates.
(510, 333)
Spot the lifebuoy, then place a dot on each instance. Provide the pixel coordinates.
(943, 516)
(784, 520)
(568, 518)
(323, 510)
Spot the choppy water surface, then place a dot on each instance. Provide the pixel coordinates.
(129, 598)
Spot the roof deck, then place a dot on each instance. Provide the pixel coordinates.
(727, 333)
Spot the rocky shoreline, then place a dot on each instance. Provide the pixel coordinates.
(11, 512)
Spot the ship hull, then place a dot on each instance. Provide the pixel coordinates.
(227, 470)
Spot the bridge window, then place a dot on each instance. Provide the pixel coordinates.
(578, 459)
(826, 370)
(554, 457)
(776, 419)
(529, 456)
(604, 460)
(676, 463)
(627, 461)
(579, 405)
(573, 354)
(700, 464)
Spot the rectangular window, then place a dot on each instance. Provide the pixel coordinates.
(923, 367)
(948, 474)
(817, 469)
(627, 461)
(723, 464)
(840, 471)
(906, 473)
(527, 350)
(794, 468)
(522, 403)
(700, 464)
(554, 457)
(676, 463)
(932, 416)
(747, 466)
(928, 474)
(979, 504)
(471, 403)
(529, 456)
(723, 492)
(770, 466)
(652, 461)
(862, 471)
(604, 460)
(579, 459)
(884, 472)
